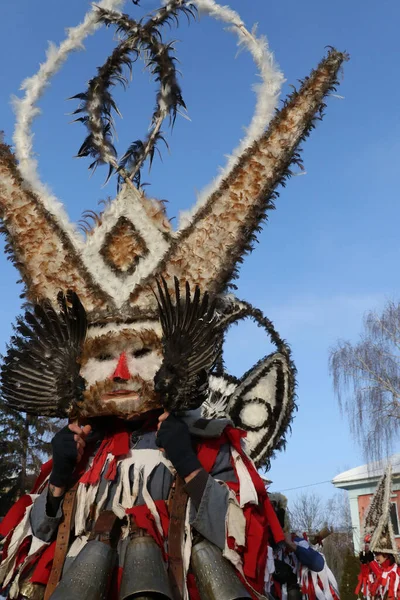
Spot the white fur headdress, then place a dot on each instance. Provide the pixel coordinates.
(131, 241)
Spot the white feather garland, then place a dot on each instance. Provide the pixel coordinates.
(267, 91)
(26, 110)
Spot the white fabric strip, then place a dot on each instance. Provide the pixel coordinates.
(20, 533)
(187, 543)
(248, 493)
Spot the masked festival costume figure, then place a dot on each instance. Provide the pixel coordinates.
(152, 490)
(380, 572)
(299, 569)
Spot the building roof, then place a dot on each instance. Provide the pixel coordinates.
(370, 471)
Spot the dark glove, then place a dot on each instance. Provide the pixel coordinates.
(174, 437)
(284, 573)
(65, 457)
(366, 557)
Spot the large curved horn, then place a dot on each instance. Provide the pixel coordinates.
(208, 250)
(39, 246)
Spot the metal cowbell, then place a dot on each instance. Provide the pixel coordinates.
(215, 576)
(145, 573)
(89, 575)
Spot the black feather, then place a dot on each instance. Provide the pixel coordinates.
(140, 39)
(40, 373)
(191, 346)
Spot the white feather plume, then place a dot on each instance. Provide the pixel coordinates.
(267, 91)
(26, 110)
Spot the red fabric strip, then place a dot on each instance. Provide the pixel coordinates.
(15, 515)
(42, 570)
(120, 443)
(45, 471)
(145, 520)
(208, 450)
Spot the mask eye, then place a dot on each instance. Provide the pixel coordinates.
(141, 352)
(103, 357)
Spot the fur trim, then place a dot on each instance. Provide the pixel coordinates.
(128, 206)
(267, 92)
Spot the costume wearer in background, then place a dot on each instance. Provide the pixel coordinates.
(130, 485)
(380, 575)
(300, 568)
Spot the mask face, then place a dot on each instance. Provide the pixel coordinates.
(118, 366)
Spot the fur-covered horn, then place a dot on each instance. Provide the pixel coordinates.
(38, 245)
(207, 251)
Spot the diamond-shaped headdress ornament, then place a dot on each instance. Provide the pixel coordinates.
(131, 241)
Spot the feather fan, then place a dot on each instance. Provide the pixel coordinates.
(40, 373)
(191, 346)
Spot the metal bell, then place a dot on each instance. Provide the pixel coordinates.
(89, 575)
(215, 576)
(145, 574)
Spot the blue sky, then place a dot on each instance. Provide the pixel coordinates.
(328, 253)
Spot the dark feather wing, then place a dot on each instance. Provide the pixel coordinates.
(40, 372)
(191, 346)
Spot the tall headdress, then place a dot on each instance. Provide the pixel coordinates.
(131, 241)
(377, 521)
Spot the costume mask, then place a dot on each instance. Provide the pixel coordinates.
(131, 242)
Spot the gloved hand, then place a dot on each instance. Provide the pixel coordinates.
(68, 446)
(174, 437)
(366, 557)
(284, 573)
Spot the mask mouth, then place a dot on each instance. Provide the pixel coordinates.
(125, 399)
(120, 393)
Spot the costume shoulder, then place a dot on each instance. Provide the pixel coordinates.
(205, 428)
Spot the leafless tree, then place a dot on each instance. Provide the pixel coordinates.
(340, 543)
(337, 512)
(366, 379)
(309, 514)
(306, 513)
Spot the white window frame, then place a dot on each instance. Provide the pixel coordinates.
(393, 501)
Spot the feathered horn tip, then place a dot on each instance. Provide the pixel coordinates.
(140, 40)
(223, 230)
(40, 373)
(191, 346)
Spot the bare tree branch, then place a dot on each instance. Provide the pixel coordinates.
(366, 380)
(309, 514)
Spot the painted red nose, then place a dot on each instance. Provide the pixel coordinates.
(122, 371)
